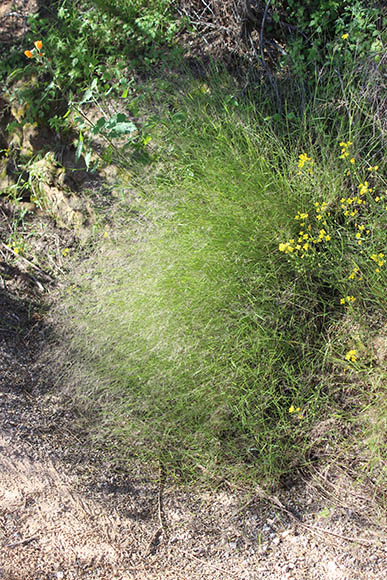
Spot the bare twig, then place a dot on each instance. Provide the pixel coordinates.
(162, 530)
(22, 542)
(23, 259)
(320, 531)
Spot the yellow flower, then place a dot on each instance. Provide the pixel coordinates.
(292, 409)
(352, 160)
(65, 251)
(303, 159)
(38, 44)
(28, 54)
(351, 355)
(342, 300)
(105, 235)
(345, 36)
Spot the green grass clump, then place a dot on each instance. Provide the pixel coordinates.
(204, 342)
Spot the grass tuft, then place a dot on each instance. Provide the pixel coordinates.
(204, 343)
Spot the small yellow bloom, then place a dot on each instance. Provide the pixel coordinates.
(28, 54)
(345, 36)
(342, 300)
(292, 409)
(105, 235)
(65, 251)
(38, 44)
(351, 355)
(352, 160)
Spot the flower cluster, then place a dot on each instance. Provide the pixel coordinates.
(355, 272)
(38, 47)
(347, 300)
(364, 188)
(351, 355)
(301, 216)
(348, 205)
(301, 245)
(345, 145)
(304, 161)
(378, 258)
(361, 233)
(320, 209)
(293, 409)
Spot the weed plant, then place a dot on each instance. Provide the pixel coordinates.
(209, 327)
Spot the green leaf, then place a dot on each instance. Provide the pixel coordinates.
(119, 125)
(98, 126)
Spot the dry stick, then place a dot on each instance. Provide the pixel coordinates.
(22, 542)
(6, 220)
(27, 262)
(162, 529)
(321, 531)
